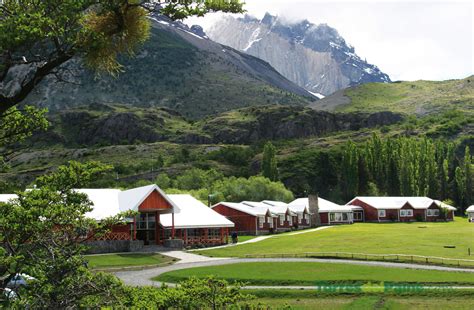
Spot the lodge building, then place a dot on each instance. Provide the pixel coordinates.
(403, 209)
(167, 220)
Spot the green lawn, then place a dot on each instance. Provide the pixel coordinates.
(126, 260)
(426, 239)
(245, 238)
(309, 273)
(370, 302)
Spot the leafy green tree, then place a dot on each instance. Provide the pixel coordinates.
(17, 125)
(163, 181)
(468, 177)
(350, 171)
(197, 178)
(269, 162)
(42, 235)
(39, 36)
(255, 188)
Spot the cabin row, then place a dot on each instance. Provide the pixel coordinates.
(268, 216)
(182, 221)
(274, 216)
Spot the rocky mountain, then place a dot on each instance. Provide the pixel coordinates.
(98, 125)
(178, 68)
(313, 56)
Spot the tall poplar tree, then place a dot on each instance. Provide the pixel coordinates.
(269, 162)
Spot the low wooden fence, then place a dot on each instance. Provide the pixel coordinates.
(402, 258)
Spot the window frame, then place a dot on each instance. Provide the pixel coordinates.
(382, 211)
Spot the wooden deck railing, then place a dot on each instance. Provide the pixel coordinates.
(405, 258)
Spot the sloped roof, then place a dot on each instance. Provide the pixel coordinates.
(397, 202)
(324, 205)
(105, 202)
(7, 197)
(194, 214)
(261, 207)
(279, 207)
(445, 205)
(244, 208)
(470, 209)
(131, 199)
(275, 203)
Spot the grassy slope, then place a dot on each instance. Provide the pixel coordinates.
(418, 97)
(370, 302)
(309, 273)
(396, 238)
(123, 260)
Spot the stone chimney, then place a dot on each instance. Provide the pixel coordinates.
(314, 210)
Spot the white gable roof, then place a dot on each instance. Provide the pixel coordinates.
(244, 208)
(194, 214)
(470, 209)
(323, 204)
(397, 202)
(260, 207)
(445, 205)
(275, 203)
(279, 207)
(7, 197)
(105, 202)
(131, 199)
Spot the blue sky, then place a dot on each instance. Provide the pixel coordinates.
(409, 40)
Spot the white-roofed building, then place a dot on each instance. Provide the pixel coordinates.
(196, 223)
(287, 218)
(403, 209)
(248, 218)
(161, 217)
(330, 213)
(470, 214)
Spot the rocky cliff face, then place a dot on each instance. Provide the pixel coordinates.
(98, 126)
(315, 57)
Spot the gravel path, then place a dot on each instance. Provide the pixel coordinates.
(143, 277)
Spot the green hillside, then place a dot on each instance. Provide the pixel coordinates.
(171, 71)
(418, 97)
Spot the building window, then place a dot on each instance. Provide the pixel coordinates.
(261, 220)
(406, 213)
(290, 220)
(146, 221)
(332, 217)
(433, 212)
(358, 216)
(382, 213)
(282, 219)
(345, 217)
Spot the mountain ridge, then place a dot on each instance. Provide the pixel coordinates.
(177, 68)
(313, 56)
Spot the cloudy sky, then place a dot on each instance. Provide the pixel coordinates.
(409, 40)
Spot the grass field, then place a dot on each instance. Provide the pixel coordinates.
(428, 239)
(126, 260)
(370, 302)
(286, 273)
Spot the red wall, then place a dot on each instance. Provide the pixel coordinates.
(324, 218)
(154, 202)
(370, 213)
(243, 222)
(407, 206)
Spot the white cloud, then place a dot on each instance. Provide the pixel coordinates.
(406, 39)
